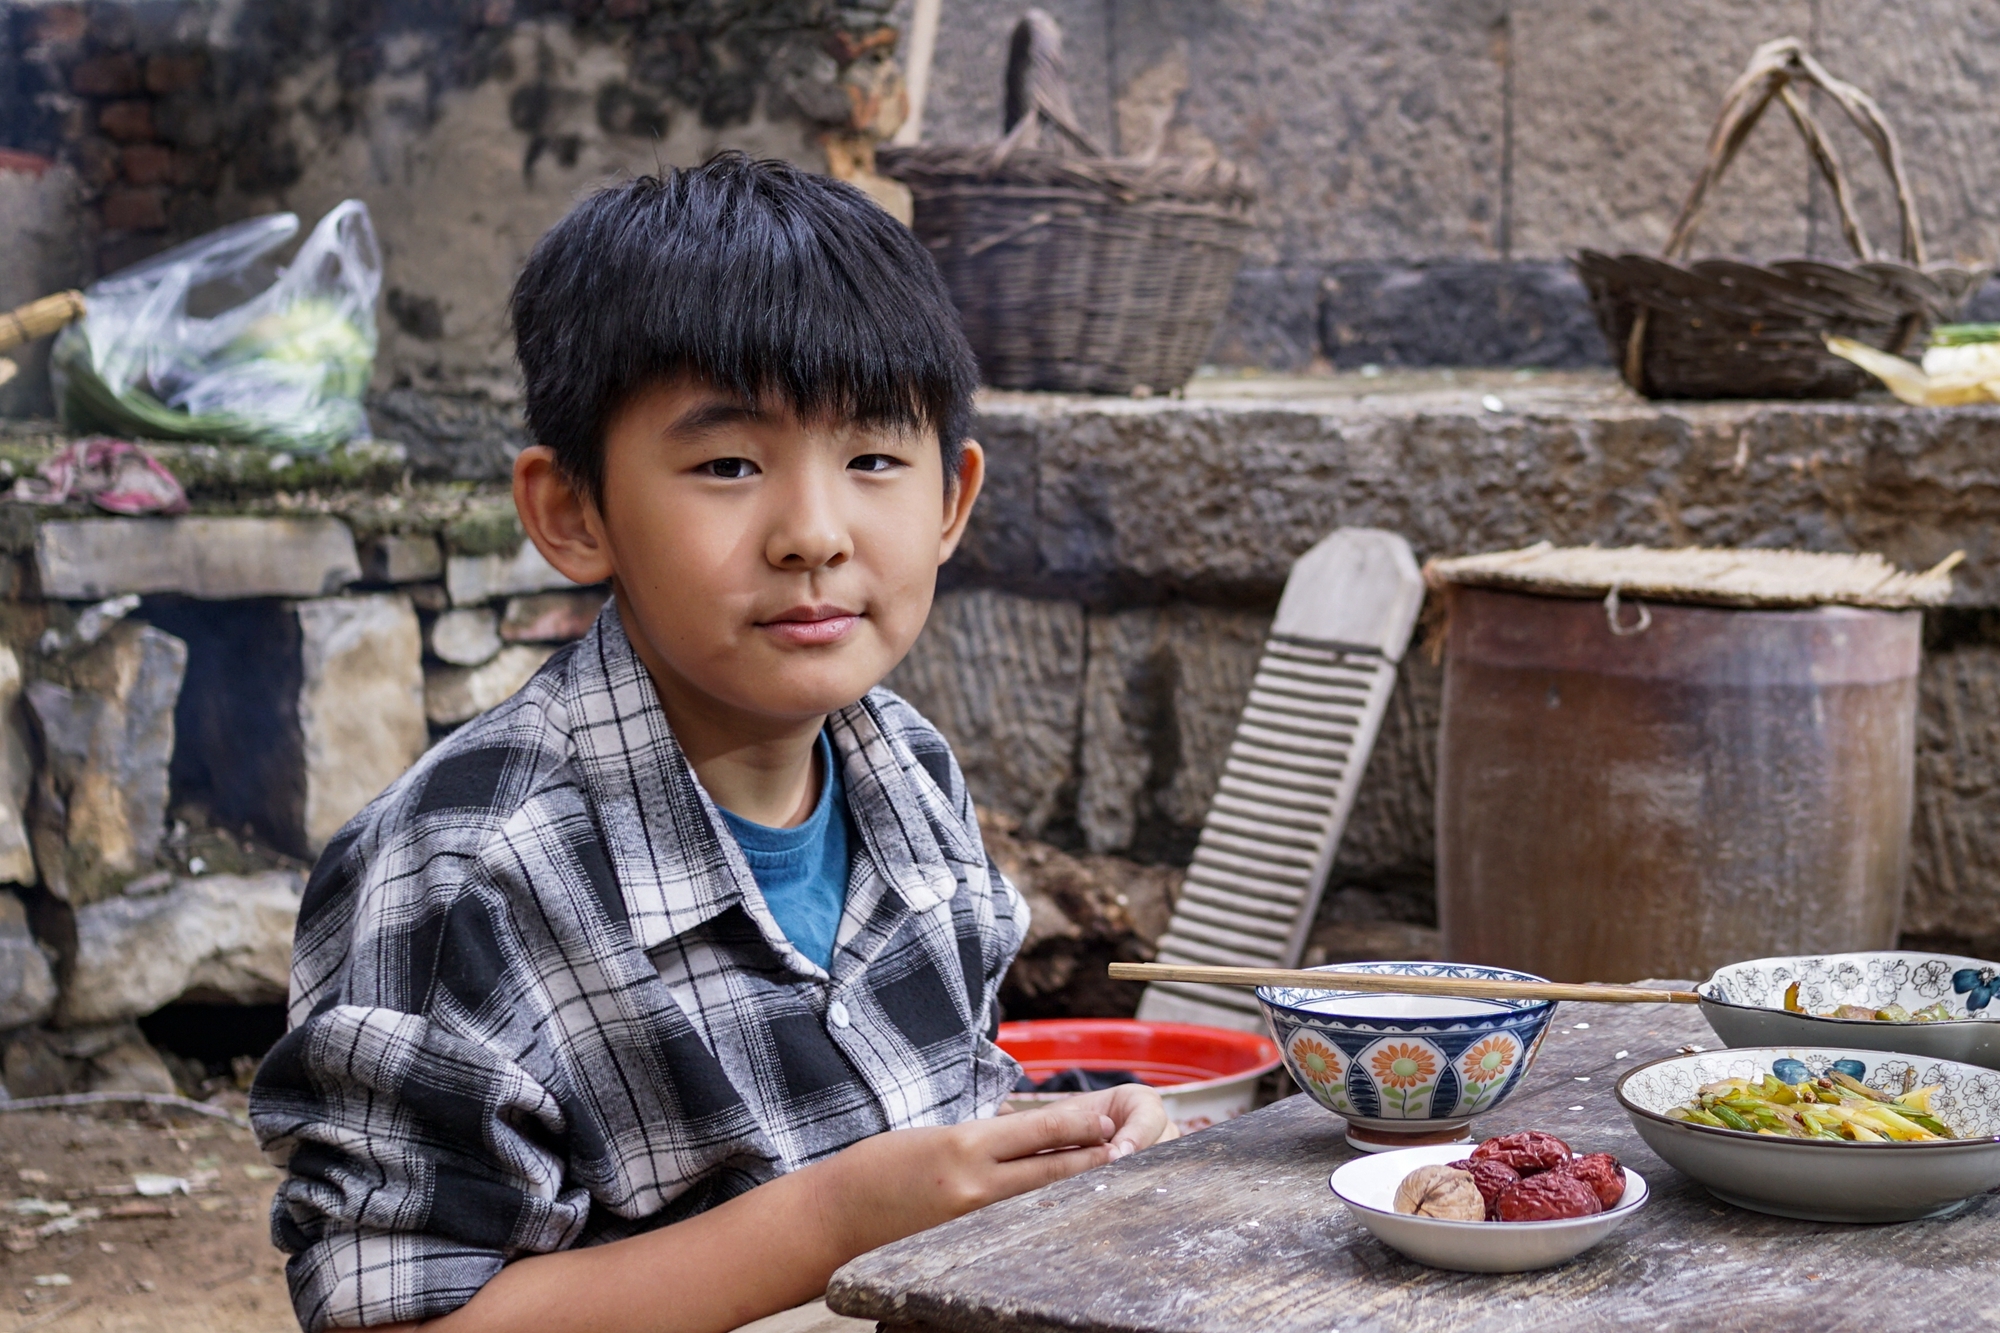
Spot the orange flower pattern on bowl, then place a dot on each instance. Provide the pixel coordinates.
(1323, 1070)
(1404, 1071)
(1485, 1068)
(1319, 1062)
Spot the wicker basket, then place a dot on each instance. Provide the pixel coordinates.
(1073, 270)
(1722, 328)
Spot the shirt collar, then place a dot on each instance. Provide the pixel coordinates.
(675, 862)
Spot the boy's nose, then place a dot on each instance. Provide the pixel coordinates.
(808, 541)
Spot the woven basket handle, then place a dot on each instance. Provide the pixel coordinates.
(1772, 70)
(1038, 89)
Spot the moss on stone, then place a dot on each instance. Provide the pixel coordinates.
(490, 528)
(216, 475)
(217, 472)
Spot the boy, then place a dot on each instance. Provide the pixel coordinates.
(655, 994)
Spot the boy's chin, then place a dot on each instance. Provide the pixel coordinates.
(785, 696)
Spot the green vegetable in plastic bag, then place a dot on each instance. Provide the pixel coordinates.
(286, 367)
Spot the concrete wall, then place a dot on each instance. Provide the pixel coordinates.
(1389, 135)
(1504, 132)
(467, 129)
(1497, 129)
(39, 202)
(1419, 159)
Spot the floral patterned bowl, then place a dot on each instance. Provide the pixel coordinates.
(1407, 1070)
(1818, 1179)
(1745, 1003)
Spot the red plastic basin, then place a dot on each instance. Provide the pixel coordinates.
(1205, 1074)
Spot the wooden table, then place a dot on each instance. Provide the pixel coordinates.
(1234, 1228)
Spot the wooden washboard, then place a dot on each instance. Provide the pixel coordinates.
(1321, 690)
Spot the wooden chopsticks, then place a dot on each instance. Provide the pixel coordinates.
(1461, 988)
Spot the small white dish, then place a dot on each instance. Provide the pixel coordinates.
(1367, 1185)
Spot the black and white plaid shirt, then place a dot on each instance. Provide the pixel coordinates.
(538, 1001)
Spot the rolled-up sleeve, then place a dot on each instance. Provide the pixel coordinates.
(418, 1163)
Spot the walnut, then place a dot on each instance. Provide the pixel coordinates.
(1442, 1192)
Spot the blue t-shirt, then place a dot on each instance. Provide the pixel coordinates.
(802, 871)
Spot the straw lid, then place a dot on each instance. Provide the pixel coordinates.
(1719, 577)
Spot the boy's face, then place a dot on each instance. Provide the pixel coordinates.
(769, 568)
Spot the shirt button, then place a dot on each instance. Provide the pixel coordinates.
(837, 1014)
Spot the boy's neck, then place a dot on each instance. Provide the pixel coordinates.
(757, 768)
(771, 781)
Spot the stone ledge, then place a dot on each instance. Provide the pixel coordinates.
(369, 485)
(1122, 501)
(222, 472)
(82, 559)
(1213, 495)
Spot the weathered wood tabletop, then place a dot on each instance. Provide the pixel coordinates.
(1234, 1228)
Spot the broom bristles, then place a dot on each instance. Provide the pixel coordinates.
(38, 319)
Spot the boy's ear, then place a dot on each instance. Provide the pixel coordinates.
(958, 500)
(562, 522)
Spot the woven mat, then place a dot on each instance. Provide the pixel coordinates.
(1701, 574)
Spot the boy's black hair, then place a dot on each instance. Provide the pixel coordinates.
(759, 278)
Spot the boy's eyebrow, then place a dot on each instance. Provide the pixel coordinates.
(713, 412)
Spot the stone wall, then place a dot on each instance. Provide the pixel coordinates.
(192, 706)
(1114, 590)
(197, 702)
(1426, 165)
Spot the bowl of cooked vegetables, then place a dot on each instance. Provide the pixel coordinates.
(1830, 1134)
(1934, 1004)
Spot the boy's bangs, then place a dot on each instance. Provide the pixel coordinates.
(762, 280)
(827, 344)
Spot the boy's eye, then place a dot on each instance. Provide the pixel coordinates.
(729, 469)
(874, 463)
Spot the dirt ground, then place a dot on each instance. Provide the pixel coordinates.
(161, 1263)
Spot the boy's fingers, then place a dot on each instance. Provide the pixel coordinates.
(1033, 1172)
(1099, 1101)
(1060, 1126)
(1138, 1117)
(1141, 1118)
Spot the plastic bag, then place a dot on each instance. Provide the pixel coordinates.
(212, 341)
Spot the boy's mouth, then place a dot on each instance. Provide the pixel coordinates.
(811, 626)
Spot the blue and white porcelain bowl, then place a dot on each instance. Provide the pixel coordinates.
(1745, 1003)
(1407, 1071)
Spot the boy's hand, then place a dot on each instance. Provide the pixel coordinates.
(896, 1184)
(1136, 1109)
